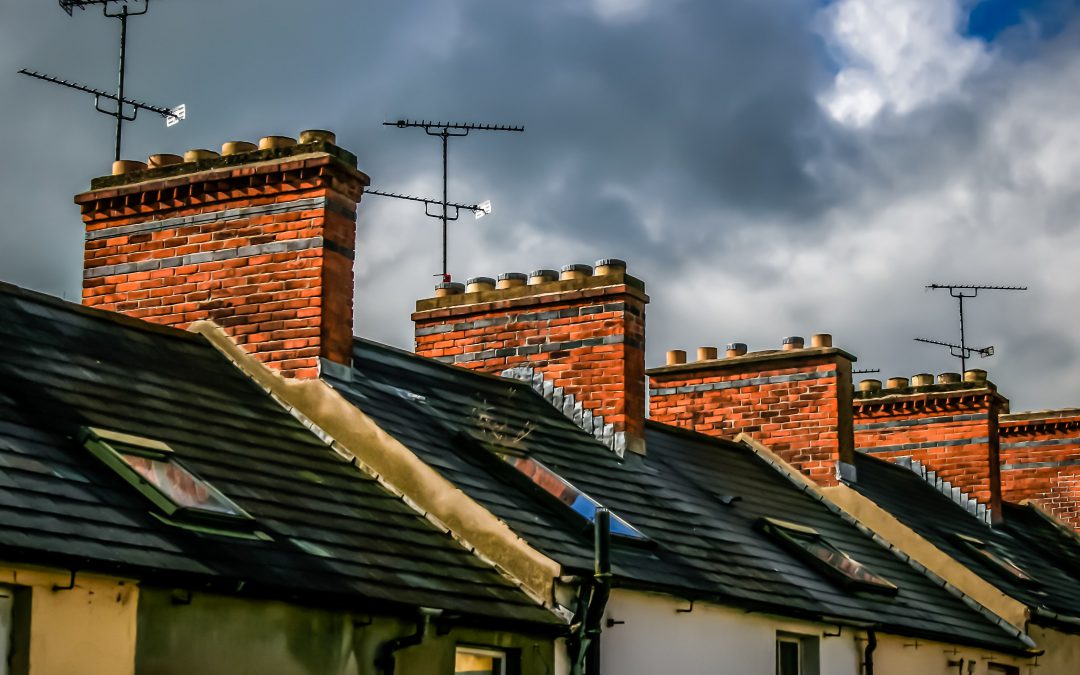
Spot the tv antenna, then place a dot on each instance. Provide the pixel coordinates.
(962, 292)
(123, 109)
(446, 131)
(864, 371)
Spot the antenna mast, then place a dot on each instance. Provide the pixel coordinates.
(172, 116)
(445, 131)
(962, 292)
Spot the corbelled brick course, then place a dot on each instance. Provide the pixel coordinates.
(585, 335)
(950, 428)
(1040, 461)
(796, 402)
(260, 242)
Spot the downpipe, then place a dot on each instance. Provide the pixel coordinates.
(385, 662)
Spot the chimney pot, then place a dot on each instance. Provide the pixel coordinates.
(237, 147)
(542, 276)
(734, 349)
(897, 383)
(575, 272)
(158, 161)
(975, 375)
(271, 142)
(792, 343)
(922, 380)
(676, 357)
(609, 266)
(821, 340)
(122, 166)
(479, 284)
(706, 353)
(199, 155)
(948, 378)
(449, 288)
(511, 280)
(871, 385)
(315, 135)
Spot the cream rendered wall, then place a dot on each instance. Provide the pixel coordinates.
(1062, 655)
(904, 656)
(85, 630)
(711, 640)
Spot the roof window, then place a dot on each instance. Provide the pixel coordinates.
(811, 546)
(994, 558)
(558, 487)
(152, 468)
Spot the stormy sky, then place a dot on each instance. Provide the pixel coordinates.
(768, 168)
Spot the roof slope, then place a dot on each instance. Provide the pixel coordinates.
(454, 419)
(1031, 542)
(337, 535)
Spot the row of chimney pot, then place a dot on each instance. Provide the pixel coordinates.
(677, 357)
(516, 279)
(123, 166)
(974, 375)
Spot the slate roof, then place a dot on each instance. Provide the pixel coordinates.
(1037, 546)
(338, 536)
(699, 548)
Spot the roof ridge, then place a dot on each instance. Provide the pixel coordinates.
(39, 297)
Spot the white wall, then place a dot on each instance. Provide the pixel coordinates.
(717, 640)
(711, 640)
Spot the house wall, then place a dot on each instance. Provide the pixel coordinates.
(1062, 651)
(85, 630)
(711, 639)
(214, 634)
(714, 639)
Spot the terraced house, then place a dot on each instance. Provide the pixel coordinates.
(496, 502)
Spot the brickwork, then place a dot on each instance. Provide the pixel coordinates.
(1040, 458)
(798, 403)
(260, 242)
(950, 428)
(585, 336)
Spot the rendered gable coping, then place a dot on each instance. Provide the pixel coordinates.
(816, 492)
(357, 438)
(957, 495)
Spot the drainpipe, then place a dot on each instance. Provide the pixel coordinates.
(868, 652)
(586, 657)
(384, 658)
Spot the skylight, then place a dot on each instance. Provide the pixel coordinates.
(996, 559)
(810, 545)
(154, 470)
(558, 487)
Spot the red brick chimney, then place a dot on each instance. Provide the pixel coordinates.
(796, 400)
(258, 239)
(578, 337)
(1040, 461)
(951, 427)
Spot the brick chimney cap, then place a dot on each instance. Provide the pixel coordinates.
(513, 276)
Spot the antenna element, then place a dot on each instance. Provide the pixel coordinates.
(962, 351)
(445, 131)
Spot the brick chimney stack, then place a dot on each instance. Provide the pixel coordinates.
(578, 336)
(950, 426)
(258, 239)
(796, 400)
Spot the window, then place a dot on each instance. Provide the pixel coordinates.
(811, 546)
(475, 661)
(152, 468)
(797, 654)
(995, 558)
(558, 487)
